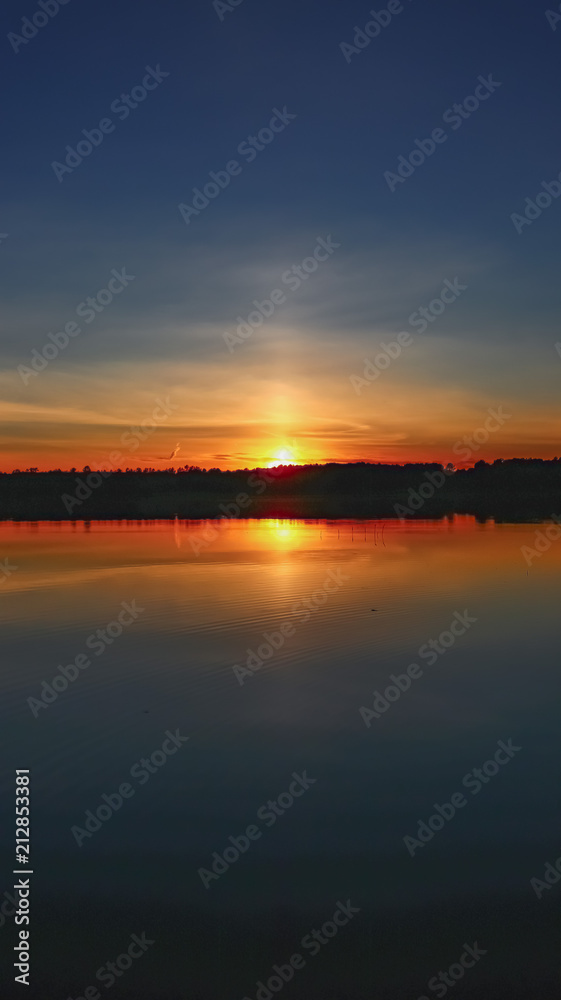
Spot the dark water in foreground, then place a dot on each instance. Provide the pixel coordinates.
(339, 836)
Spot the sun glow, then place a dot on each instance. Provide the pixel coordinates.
(284, 456)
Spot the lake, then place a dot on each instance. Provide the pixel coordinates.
(326, 747)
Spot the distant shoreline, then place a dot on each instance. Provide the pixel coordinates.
(516, 490)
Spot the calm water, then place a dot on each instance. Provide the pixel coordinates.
(171, 669)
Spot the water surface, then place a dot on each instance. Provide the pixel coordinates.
(204, 603)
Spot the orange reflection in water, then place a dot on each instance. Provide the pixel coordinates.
(42, 548)
(212, 576)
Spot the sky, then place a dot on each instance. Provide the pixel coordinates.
(323, 376)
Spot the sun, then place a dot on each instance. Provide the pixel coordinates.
(284, 456)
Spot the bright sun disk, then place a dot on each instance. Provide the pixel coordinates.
(284, 456)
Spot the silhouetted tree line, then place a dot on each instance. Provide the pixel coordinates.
(519, 488)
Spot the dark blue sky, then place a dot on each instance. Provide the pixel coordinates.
(323, 175)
